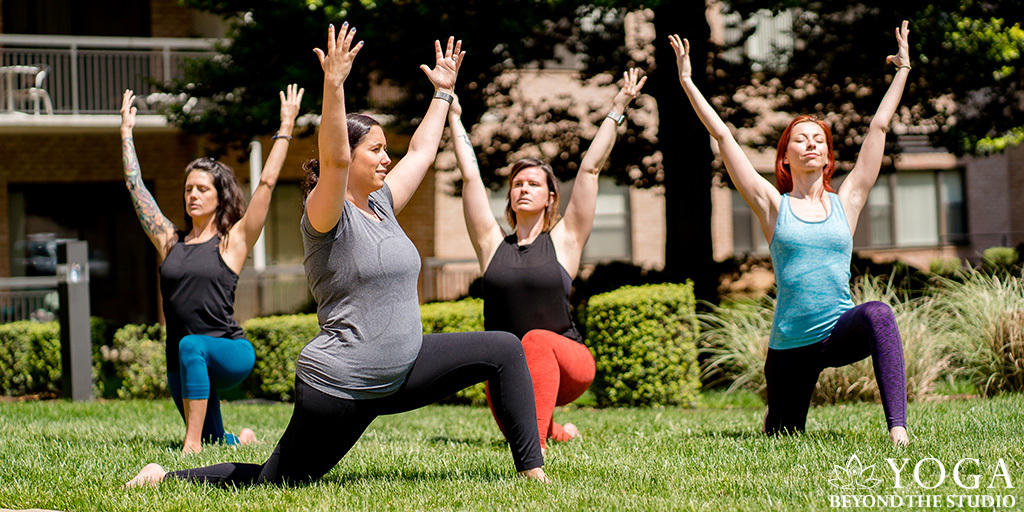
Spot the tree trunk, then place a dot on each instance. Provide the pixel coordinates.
(685, 148)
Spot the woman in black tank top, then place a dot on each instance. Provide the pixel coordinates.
(199, 269)
(527, 274)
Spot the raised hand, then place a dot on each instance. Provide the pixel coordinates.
(290, 103)
(337, 63)
(632, 83)
(902, 57)
(456, 108)
(446, 67)
(682, 49)
(128, 111)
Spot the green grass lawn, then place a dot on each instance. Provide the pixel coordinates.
(64, 456)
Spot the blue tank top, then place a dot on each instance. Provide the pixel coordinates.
(812, 275)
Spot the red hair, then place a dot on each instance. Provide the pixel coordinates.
(783, 177)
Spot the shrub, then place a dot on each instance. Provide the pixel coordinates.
(999, 259)
(944, 267)
(30, 358)
(735, 343)
(277, 341)
(139, 361)
(643, 341)
(465, 315)
(982, 316)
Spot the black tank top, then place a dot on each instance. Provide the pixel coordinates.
(525, 288)
(198, 292)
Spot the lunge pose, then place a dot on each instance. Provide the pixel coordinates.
(370, 357)
(527, 274)
(199, 267)
(809, 228)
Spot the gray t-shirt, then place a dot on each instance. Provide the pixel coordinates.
(363, 277)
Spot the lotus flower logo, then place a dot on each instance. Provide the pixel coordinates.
(854, 475)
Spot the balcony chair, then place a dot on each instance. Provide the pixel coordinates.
(24, 83)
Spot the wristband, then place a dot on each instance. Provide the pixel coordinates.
(279, 136)
(619, 119)
(903, 66)
(441, 95)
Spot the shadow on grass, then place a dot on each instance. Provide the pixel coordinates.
(473, 441)
(755, 434)
(375, 476)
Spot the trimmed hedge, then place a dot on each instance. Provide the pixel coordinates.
(465, 315)
(643, 339)
(30, 356)
(277, 341)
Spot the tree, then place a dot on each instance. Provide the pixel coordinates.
(233, 98)
(965, 89)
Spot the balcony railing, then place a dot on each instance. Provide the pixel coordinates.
(87, 74)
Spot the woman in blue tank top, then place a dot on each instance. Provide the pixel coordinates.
(809, 228)
(199, 267)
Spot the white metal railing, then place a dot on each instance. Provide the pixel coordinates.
(87, 74)
(28, 298)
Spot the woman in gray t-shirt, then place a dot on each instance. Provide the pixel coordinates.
(370, 357)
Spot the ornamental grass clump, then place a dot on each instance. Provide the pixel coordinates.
(734, 343)
(983, 315)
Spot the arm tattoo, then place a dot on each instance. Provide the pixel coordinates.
(153, 221)
(472, 152)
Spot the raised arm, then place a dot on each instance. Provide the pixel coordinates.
(327, 199)
(407, 174)
(571, 234)
(758, 192)
(247, 230)
(158, 228)
(484, 231)
(855, 189)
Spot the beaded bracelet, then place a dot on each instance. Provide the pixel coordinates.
(279, 136)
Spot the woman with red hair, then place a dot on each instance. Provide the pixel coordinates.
(809, 227)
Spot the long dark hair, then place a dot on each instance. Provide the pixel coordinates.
(551, 211)
(783, 176)
(230, 205)
(358, 126)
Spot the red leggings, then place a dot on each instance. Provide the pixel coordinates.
(561, 369)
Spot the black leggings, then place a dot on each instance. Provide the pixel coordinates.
(866, 330)
(324, 428)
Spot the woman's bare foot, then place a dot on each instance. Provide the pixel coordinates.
(536, 474)
(150, 475)
(898, 436)
(192, 447)
(571, 430)
(247, 436)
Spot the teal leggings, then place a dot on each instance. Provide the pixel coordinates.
(207, 364)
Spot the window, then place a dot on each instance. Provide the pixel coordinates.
(747, 237)
(611, 238)
(283, 236)
(914, 209)
(77, 18)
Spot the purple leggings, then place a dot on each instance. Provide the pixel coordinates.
(866, 330)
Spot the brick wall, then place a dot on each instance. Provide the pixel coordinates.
(169, 19)
(989, 201)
